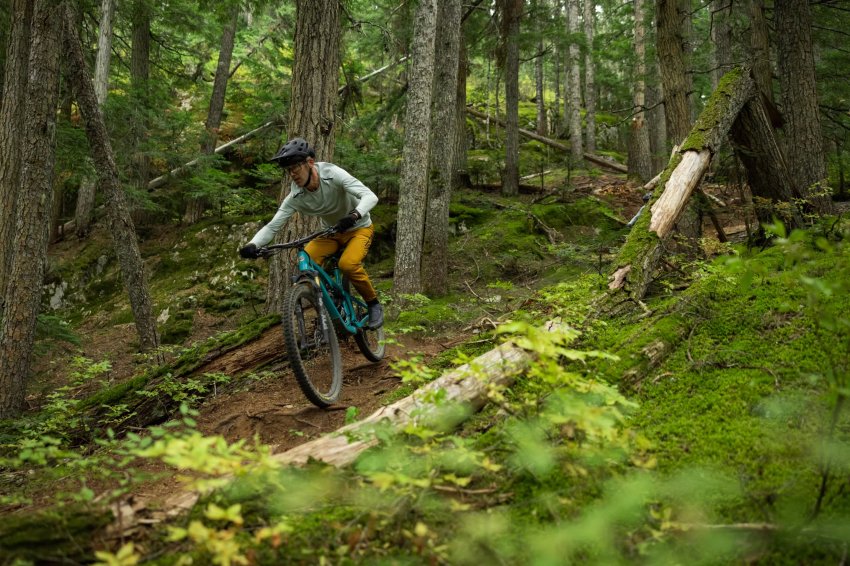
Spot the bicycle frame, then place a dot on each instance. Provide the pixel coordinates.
(329, 284)
(323, 281)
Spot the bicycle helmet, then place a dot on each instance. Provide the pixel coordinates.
(294, 151)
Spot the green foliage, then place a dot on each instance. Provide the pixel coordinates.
(51, 329)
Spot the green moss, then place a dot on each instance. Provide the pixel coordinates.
(715, 109)
(177, 328)
(52, 535)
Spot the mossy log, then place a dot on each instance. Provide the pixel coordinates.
(147, 398)
(639, 256)
(468, 384)
(59, 535)
(595, 159)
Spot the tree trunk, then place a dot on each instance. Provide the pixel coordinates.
(768, 176)
(435, 258)
(196, 205)
(574, 96)
(657, 121)
(120, 221)
(22, 293)
(671, 55)
(315, 80)
(539, 83)
(86, 193)
(460, 168)
(511, 11)
(760, 49)
(797, 84)
(674, 23)
(413, 181)
(12, 115)
(638, 258)
(589, 77)
(640, 163)
(556, 115)
(140, 94)
(721, 39)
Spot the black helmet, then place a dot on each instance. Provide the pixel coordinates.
(294, 151)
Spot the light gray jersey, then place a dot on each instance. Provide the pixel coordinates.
(338, 194)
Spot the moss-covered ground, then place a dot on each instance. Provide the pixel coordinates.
(709, 427)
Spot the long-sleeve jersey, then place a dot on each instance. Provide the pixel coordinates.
(338, 194)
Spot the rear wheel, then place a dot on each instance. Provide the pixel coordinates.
(312, 345)
(370, 342)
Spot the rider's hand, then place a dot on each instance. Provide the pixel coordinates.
(347, 221)
(249, 251)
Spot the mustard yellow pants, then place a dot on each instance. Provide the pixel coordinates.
(356, 244)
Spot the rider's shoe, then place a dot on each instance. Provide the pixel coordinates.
(376, 316)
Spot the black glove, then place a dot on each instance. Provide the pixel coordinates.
(347, 221)
(249, 252)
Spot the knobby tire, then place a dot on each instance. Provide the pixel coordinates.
(370, 342)
(313, 348)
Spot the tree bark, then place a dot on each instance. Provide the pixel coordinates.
(139, 78)
(657, 120)
(768, 175)
(435, 257)
(120, 221)
(539, 83)
(601, 161)
(674, 24)
(798, 86)
(12, 115)
(760, 49)
(511, 12)
(86, 192)
(589, 77)
(196, 205)
(721, 39)
(460, 167)
(413, 181)
(315, 80)
(22, 292)
(640, 163)
(638, 258)
(574, 97)
(671, 55)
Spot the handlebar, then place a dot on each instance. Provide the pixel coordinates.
(268, 251)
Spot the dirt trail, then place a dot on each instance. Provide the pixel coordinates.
(277, 412)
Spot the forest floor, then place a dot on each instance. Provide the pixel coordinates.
(270, 407)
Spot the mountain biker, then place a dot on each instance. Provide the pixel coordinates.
(339, 200)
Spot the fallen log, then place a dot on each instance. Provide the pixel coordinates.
(163, 179)
(468, 384)
(154, 396)
(601, 161)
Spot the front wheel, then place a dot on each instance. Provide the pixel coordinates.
(312, 345)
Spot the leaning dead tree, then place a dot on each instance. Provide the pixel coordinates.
(736, 107)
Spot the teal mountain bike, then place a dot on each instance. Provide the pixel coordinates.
(318, 307)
